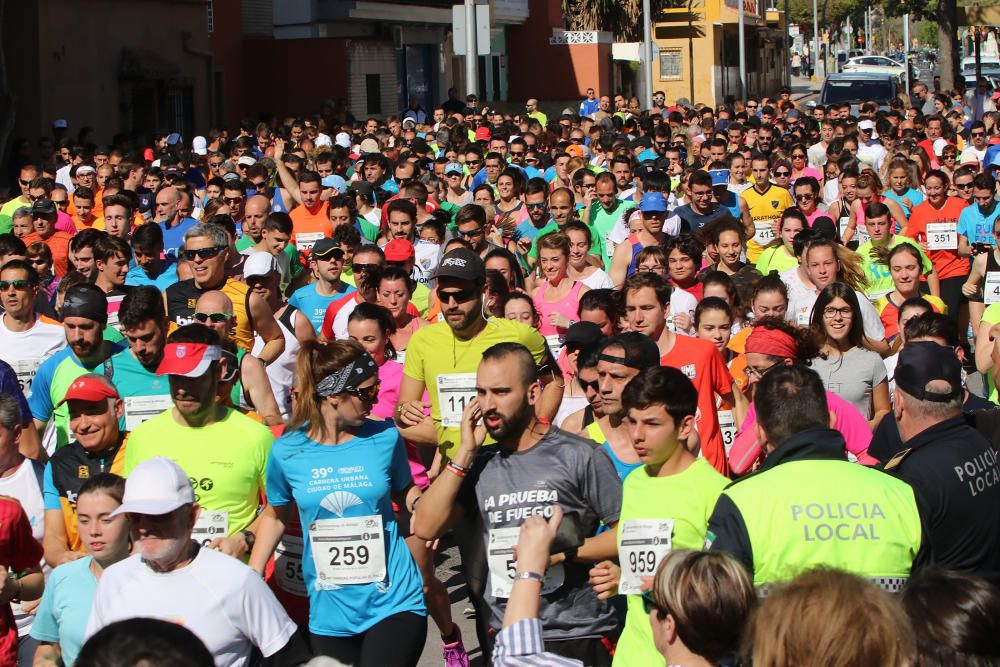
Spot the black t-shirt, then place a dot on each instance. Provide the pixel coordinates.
(886, 441)
(956, 480)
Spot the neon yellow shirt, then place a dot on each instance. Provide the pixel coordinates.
(436, 357)
(225, 460)
(688, 499)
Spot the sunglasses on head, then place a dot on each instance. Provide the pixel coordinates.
(459, 295)
(215, 318)
(16, 284)
(203, 253)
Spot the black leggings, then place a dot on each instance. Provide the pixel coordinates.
(397, 640)
(951, 294)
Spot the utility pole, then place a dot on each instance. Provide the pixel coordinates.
(471, 57)
(906, 50)
(647, 55)
(743, 51)
(815, 53)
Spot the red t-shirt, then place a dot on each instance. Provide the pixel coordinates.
(18, 552)
(947, 262)
(703, 364)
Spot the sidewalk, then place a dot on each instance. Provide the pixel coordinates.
(803, 88)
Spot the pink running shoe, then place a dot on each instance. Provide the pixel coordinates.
(454, 653)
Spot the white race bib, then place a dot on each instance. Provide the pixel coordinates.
(210, 525)
(500, 557)
(348, 551)
(288, 565)
(455, 391)
(727, 424)
(861, 234)
(991, 290)
(555, 342)
(764, 231)
(140, 408)
(305, 242)
(114, 305)
(942, 236)
(25, 370)
(643, 544)
(802, 316)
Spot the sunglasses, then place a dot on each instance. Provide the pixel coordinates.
(963, 186)
(473, 162)
(16, 284)
(978, 134)
(470, 232)
(336, 254)
(362, 268)
(516, 153)
(366, 394)
(541, 205)
(232, 200)
(215, 318)
(23, 182)
(215, 165)
(459, 295)
(649, 603)
(782, 173)
(259, 186)
(203, 253)
(588, 385)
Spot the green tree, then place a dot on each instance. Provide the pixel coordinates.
(623, 18)
(945, 14)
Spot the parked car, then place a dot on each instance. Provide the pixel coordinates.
(855, 88)
(844, 56)
(876, 64)
(989, 66)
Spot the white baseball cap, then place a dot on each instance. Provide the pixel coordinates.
(259, 264)
(343, 140)
(156, 486)
(199, 145)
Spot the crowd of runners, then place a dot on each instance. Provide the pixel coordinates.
(685, 385)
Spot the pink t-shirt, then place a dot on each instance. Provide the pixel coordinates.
(851, 424)
(64, 223)
(390, 375)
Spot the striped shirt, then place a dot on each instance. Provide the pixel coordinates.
(521, 645)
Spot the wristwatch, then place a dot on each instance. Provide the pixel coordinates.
(249, 538)
(530, 575)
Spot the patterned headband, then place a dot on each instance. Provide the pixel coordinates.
(348, 377)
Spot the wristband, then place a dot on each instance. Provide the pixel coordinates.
(534, 576)
(457, 469)
(249, 538)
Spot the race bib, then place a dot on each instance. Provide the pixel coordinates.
(25, 370)
(114, 305)
(764, 231)
(288, 565)
(942, 236)
(455, 390)
(209, 526)
(991, 290)
(802, 316)
(348, 551)
(861, 234)
(555, 342)
(842, 226)
(644, 543)
(140, 408)
(305, 242)
(503, 566)
(727, 424)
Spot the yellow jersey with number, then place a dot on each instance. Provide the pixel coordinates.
(765, 207)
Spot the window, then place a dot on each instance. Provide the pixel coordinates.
(210, 16)
(670, 64)
(373, 93)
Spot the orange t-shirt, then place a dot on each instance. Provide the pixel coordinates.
(98, 211)
(704, 366)
(309, 225)
(947, 262)
(58, 243)
(94, 222)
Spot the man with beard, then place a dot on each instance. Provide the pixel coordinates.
(219, 447)
(536, 202)
(85, 314)
(533, 467)
(143, 322)
(172, 577)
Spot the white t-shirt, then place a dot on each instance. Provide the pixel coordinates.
(802, 298)
(598, 280)
(682, 301)
(218, 598)
(26, 350)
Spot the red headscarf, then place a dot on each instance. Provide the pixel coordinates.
(772, 342)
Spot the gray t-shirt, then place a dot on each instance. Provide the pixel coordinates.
(852, 376)
(505, 488)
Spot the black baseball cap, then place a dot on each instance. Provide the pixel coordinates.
(325, 247)
(924, 362)
(583, 334)
(640, 350)
(463, 264)
(43, 208)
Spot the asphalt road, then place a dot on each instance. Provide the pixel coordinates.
(449, 571)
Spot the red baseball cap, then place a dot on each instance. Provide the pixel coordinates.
(398, 250)
(483, 134)
(188, 359)
(89, 389)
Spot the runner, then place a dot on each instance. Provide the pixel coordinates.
(327, 261)
(764, 202)
(551, 467)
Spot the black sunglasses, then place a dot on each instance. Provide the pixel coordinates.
(362, 268)
(366, 394)
(470, 232)
(203, 253)
(459, 295)
(216, 318)
(16, 284)
(588, 385)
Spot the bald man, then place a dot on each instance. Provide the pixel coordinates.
(254, 215)
(531, 107)
(248, 388)
(171, 220)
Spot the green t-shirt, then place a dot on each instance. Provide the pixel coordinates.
(687, 499)
(603, 221)
(992, 316)
(877, 274)
(225, 460)
(596, 240)
(447, 366)
(7, 213)
(775, 259)
(290, 251)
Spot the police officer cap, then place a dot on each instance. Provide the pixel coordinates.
(924, 362)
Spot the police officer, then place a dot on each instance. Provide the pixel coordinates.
(807, 506)
(952, 468)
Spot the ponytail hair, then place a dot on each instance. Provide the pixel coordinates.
(315, 361)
